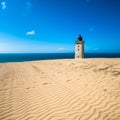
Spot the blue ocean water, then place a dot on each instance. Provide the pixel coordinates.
(48, 56)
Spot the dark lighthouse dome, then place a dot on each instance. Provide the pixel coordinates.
(80, 38)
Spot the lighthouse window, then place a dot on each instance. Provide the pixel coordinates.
(78, 49)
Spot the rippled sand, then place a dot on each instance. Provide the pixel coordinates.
(85, 89)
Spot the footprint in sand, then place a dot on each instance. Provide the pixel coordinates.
(105, 90)
(68, 80)
(28, 88)
(116, 73)
(46, 84)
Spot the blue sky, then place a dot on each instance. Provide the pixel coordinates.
(28, 26)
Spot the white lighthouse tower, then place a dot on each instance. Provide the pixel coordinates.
(79, 47)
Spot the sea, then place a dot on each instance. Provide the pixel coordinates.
(22, 57)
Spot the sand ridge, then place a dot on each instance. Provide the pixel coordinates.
(81, 89)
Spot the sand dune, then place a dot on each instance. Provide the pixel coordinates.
(85, 89)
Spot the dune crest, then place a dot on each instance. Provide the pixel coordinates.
(85, 89)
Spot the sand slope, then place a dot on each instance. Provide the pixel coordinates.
(87, 89)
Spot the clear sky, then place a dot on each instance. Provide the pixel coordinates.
(53, 25)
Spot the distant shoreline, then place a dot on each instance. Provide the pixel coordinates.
(22, 57)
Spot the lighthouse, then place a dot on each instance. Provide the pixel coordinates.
(79, 47)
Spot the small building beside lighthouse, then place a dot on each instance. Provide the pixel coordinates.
(79, 47)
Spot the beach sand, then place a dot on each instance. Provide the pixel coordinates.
(81, 89)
